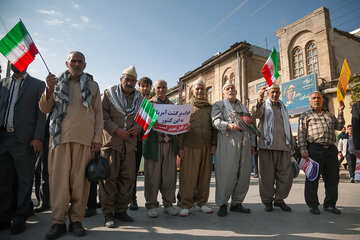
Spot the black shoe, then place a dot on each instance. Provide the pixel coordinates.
(18, 228)
(56, 231)
(282, 205)
(77, 229)
(41, 208)
(124, 216)
(222, 210)
(268, 207)
(315, 211)
(109, 221)
(239, 208)
(89, 212)
(333, 210)
(134, 206)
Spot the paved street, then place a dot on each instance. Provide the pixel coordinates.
(299, 224)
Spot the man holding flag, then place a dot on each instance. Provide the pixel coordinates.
(22, 127)
(276, 175)
(120, 104)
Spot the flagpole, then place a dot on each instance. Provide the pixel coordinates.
(35, 46)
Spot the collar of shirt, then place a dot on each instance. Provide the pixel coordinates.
(23, 77)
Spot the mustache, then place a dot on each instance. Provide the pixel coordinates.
(128, 86)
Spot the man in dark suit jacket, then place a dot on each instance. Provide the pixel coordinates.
(22, 127)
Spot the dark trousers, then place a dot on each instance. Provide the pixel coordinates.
(329, 170)
(15, 187)
(42, 190)
(92, 201)
(138, 156)
(255, 166)
(351, 161)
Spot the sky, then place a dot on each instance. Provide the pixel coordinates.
(164, 39)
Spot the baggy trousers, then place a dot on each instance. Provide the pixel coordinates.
(160, 175)
(195, 173)
(275, 169)
(115, 192)
(329, 169)
(68, 184)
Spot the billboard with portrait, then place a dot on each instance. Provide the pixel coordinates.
(295, 93)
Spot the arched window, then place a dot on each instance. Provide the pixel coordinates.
(232, 78)
(312, 58)
(209, 94)
(298, 63)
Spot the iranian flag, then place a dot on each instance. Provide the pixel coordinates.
(18, 47)
(146, 117)
(270, 69)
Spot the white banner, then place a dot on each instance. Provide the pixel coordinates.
(172, 119)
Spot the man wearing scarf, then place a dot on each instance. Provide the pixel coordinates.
(120, 105)
(159, 151)
(276, 175)
(76, 126)
(196, 148)
(233, 153)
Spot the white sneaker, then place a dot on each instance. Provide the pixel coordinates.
(171, 211)
(152, 213)
(205, 209)
(184, 212)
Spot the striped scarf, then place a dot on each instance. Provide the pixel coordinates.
(61, 101)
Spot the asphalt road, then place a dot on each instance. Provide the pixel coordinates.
(298, 224)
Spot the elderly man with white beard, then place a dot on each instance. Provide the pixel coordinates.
(233, 153)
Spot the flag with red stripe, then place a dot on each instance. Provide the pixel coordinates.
(146, 117)
(270, 69)
(18, 47)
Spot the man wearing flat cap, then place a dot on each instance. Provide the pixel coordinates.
(233, 153)
(276, 175)
(120, 104)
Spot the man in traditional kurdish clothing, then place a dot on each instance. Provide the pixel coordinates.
(159, 151)
(76, 126)
(276, 175)
(233, 153)
(145, 84)
(196, 148)
(317, 140)
(120, 105)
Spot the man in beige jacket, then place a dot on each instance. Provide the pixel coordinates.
(120, 104)
(76, 126)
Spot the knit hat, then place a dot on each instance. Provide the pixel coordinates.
(130, 71)
(274, 86)
(228, 83)
(198, 81)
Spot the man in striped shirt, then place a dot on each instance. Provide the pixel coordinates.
(317, 140)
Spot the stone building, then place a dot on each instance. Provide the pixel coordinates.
(307, 47)
(241, 64)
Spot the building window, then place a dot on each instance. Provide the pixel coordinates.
(298, 67)
(209, 94)
(232, 78)
(312, 58)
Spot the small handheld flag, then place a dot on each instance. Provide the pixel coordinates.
(146, 117)
(18, 47)
(270, 69)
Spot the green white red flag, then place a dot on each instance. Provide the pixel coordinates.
(18, 47)
(270, 69)
(146, 117)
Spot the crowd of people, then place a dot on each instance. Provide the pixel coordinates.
(69, 121)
